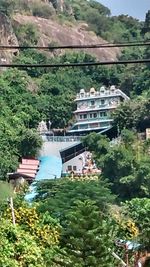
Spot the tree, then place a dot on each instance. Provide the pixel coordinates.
(146, 27)
(7, 6)
(124, 164)
(139, 210)
(87, 237)
(5, 191)
(128, 138)
(132, 115)
(30, 143)
(125, 116)
(32, 241)
(58, 196)
(101, 8)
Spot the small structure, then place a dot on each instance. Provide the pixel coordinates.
(89, 166)
(81, 165)
(134, 251)
(26, 172)
(94, 109)
(42, 127)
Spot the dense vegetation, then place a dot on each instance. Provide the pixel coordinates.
(75, 222)
(125, 165)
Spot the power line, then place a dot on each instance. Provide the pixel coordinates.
(82, 64)
(106, 45)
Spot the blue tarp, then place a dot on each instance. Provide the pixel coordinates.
(50, 168)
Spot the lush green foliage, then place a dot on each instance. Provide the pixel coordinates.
(133, 115)
(125, 164)
(32, 241)
(27, 34)
(139, 211)
(6, 191)
(18, 119)
(85, 211)
(86, 238)
(35, 8)
(40, 9)
(58, 196)
(89, 226)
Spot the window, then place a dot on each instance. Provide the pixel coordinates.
(92, 103)
(102, 102)
(103, 114)
(74, 168)
(69, 168)
(83, 116)
(91, 115)
(93, 125)
(104, 124)
(84, 126)
(95, 115)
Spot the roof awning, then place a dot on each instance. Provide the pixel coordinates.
(17, 175)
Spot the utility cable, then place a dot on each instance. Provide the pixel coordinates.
(104, 45)
(82, 64)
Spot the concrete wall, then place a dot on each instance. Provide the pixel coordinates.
(77, 161)
(53, 148)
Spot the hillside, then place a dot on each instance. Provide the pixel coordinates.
(7, 37)
(82, 220)
(51, 31)
(64, 22)
(29, 95)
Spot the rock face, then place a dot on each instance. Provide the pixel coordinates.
(7, 38)
(52, 32)
(58, 4)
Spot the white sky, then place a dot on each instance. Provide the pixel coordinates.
(134, 8)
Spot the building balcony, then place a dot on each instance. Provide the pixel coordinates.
(98, 119)
(84, 122)
(89, 128)
(97, 95)
(95, 108)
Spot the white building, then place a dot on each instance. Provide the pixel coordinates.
(94, 109)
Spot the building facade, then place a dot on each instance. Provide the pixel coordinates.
(94, 109)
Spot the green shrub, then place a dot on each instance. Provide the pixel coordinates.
(27, 34)
(42, 10)
(7, 6)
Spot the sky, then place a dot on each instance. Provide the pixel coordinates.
(134, 8)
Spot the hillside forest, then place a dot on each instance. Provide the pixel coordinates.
(75, 222)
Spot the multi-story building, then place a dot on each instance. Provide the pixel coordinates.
(94, 109)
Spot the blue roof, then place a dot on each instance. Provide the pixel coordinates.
(50, 168)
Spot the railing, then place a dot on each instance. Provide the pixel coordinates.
(63, 138)
(100, 94)
(97, 119)
(98, 107)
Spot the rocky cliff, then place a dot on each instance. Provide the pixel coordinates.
(8, 38)
(51, 31)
